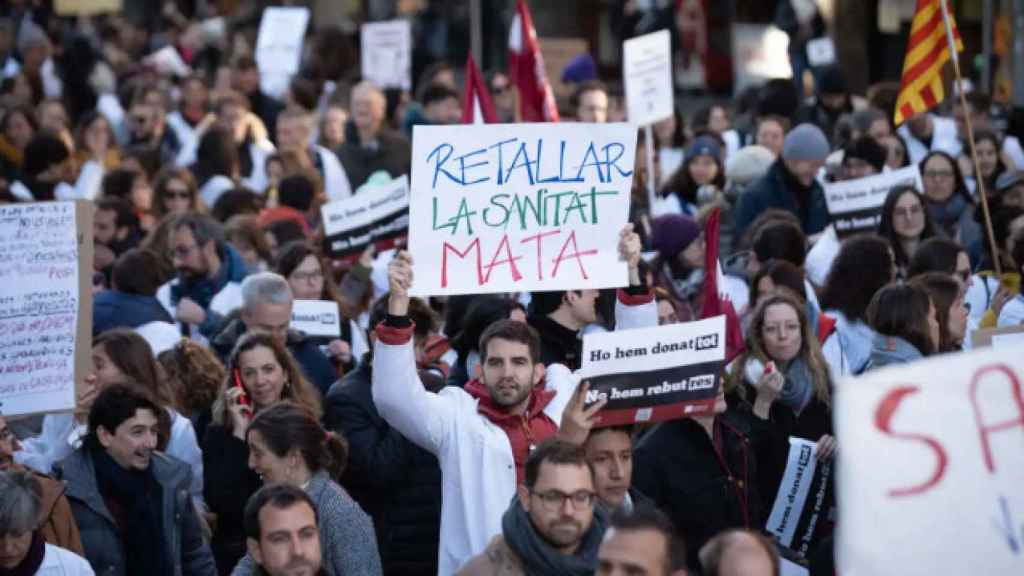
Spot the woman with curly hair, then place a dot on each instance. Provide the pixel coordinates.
(195, 376)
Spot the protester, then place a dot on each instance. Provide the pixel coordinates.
(947, 295)
(217, 165)
(771, 133)
(175, 192)
(195, 376)
(863, 157)
(130, 501)
(369, 146)
(740, 553)
(926, 132)
(987, 147)
(948, 200)
(482, 312)
(590, 102)
(641, 542)
(26, 549)
(1012, 314)
(282, 531)
(131, 300)
(941, 255)
(294, 128)
(904, 320)
(905, 223)
(244, 233)
(678, 267)
(288, 446)
(552, 526)
(609, 453)
(700, 177)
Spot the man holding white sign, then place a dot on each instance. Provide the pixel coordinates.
(481, 434)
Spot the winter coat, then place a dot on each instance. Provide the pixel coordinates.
(848, 349)
(892, 350)
(395, 481)
(391, 154)
(228, 484)
(56, 523)
(776, 189)
(113, 309)
(218, 296)
(498, 559)
(101, 535)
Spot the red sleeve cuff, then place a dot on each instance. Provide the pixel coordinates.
(628, 299)
(392, 335)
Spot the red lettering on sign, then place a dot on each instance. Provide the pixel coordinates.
(985, 429)
(575, 254)
(883, 421)
(444, 260)
(539, 237)
(509, 259)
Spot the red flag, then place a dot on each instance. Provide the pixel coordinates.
(526, 70)
(714, 303)
(477, 107)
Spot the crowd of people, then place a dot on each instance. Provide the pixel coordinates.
(452, 435)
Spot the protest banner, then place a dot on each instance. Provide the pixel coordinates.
(647, 75)
(655, 374)
(279, 47)
(519, 207)
(375, 214)
(856, 205)
(87, 7)
(45, 305)
(804, 509)
(316, 318)
(930, 468)
(386, 53)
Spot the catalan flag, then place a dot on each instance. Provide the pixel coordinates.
(927, 51)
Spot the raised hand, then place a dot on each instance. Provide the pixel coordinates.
(578, 418)
(399, 282)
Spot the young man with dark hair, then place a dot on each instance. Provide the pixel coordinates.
(552, 527)
(482, 434)
(558, 317)
(641, 543)
(131, 301)
(590, 102)
(115, 225)
(282, 531)
(131, 502)
(441, 105)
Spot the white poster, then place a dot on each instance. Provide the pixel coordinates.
(375, 213)
(316, 318)
(647, 75)
(759, 52)
(821, 52)
(856, 205)
(519, 207)
(386, 53)
(279, 47)
(931, 467)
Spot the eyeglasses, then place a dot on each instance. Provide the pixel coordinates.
(555, 499)
(938, 174)
(307, 276)
(908, 213)
(172, 193)
(180, 251)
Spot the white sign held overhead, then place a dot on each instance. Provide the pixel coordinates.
(316, 318)
(821, 52)
(386, 53)
(856, 205)
(647, 75)
(930, 458)
(279, 47)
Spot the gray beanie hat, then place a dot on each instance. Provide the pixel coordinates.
(806, 142)
(748, 164)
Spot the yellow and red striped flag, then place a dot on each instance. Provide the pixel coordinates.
(927, 51)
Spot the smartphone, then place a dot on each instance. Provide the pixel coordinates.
(769, 367)
(243, 398)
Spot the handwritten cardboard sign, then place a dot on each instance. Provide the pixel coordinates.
(856, 205)
(45, 304)
(647, 75)
(279, 46)
(804, 505)
(519, 207)
(316, 318)
(375, 214)
(386, 53)
(931, 467)
(654, 374)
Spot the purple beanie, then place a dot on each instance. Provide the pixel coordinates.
(672, 233)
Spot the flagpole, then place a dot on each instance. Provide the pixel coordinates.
(978, 178)
(649, 146)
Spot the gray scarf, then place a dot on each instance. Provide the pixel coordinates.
(798, 387)
(538, 557)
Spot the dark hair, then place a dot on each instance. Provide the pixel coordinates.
(43, 151)
(164, 179)
(280, 496)
(235, 202)
(204, 229)
(902, 310)
(769, 216)
(544, 303)
(285, 231)
(979, 101)
(134, 358)
(122, 208)
(887, 230)
(25, 112)
(958, 176)
(422, 315)
(428, 77)
(290, 257)
(246, 228)
(682, 184)
(780, 240)
(701, 119)
(485, 310)
(553, 451)
(137, 271)
(194, 373)
(513, 331)
(114, 406)
(713, 553)
(436, 93)
(1017, 250)
(118, 183)
(583, 88)
(903, 146)
(304, 92)
(216, 155)
(862, 266)
(288, 425)
(784, 275)
(943, 289)
(647, 517)
(938, 254)
(867, 149)
(296, 191)
(1002, 219)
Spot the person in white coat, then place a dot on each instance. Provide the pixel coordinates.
(483, 433)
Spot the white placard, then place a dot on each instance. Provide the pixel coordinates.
(1007, 340)
(931, 467)
(43, 298)
(647, 75)
(279, 47)
(386, 53)
(519, 207)
(856, 205)
(316, 318)
(821, 52)
(377, 212)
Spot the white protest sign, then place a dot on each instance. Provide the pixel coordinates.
(45, 304)
(375, 213)
(801, 514)
(931, 467)
(856, 205)
(519, 207)
(821, 52)
(759, 52)
(279, 47)
(647, 75)
(316, 318)
(386, 53)
(654, 374)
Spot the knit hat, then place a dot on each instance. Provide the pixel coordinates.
(703, 146)
(748, 164)
(672, 233)
(805, 142)
(867, 149)
(579, 70)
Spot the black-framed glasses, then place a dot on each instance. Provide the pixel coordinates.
(555, 499)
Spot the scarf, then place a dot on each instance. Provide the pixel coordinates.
(538, 557)
(140, 498)
(947, 214)
(797, 387)
(32, 561)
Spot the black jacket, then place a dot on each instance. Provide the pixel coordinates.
(395, 481)
(678, 467)
(778, 189)
(392, 154)
(227, 484)
(112, 309)
(558, 344)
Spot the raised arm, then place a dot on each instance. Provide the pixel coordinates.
(634, 305)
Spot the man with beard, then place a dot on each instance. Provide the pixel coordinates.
(210, 272)
(552, 527)
(482, 434)
(282, 531)
(131, 502)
